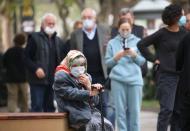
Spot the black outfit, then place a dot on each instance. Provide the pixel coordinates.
(166, 44)
(3, 90)
(138, 31)
(42, 52)
(13, 61)
(65, 48)
(183, 90)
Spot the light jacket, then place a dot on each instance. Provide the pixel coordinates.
(127, 69)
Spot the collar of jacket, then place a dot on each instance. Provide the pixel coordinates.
(62, 68)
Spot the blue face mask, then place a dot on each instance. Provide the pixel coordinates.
(182, 20)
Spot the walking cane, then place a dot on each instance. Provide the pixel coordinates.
(101, 109)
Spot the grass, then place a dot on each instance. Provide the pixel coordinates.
(150, 105)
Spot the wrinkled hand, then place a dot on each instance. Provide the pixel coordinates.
(40, 73)
(84, 80)
(95, 89)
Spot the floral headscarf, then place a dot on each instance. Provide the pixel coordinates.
(74, 57)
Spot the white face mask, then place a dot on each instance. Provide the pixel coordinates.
(88, 23)
(49, 30)
(77, 71)
(124, 34)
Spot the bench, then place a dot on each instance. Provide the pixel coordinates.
(34, 122)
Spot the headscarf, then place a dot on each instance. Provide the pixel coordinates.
(74, 57)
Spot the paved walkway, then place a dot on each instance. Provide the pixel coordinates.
(148, 121)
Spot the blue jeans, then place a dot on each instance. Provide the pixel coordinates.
(42, 98)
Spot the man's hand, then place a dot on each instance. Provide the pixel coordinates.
(157, 62)
(40, 73)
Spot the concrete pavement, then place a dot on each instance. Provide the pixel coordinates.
(148, 121)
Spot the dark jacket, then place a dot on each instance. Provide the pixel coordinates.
(72, 98)
(38, 55)
(182, 99)
(182, 64)
(14, 64)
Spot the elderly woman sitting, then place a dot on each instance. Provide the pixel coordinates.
(75, 95)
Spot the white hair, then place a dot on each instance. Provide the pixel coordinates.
(93, 11)
(46, 15)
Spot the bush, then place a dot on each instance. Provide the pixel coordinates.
(149, 89)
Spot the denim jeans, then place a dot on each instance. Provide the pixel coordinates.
(42, 98)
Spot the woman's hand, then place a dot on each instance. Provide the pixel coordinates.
(131, 52)
(95, 89)
(84, 80)
(119, 55)
(97, 86)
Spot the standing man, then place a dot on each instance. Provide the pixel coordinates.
(43, 56)
(92, 40)
(183, 89)
(126, 13)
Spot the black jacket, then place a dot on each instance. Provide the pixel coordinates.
(13, 61)
(38, 55)
(182, 64)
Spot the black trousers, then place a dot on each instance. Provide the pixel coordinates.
(184, 104)
(166, 91)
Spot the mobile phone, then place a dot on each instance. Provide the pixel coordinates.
(126, 48)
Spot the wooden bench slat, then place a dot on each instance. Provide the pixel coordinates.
(31, 115)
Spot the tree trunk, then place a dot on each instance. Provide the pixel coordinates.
(184, 3)
(105, 9)
(81, 4)
(63, 13)
(6, 33)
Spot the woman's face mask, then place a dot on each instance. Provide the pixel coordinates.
(182, 20)
(124, 34)
(77, 71)
(125, 30)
